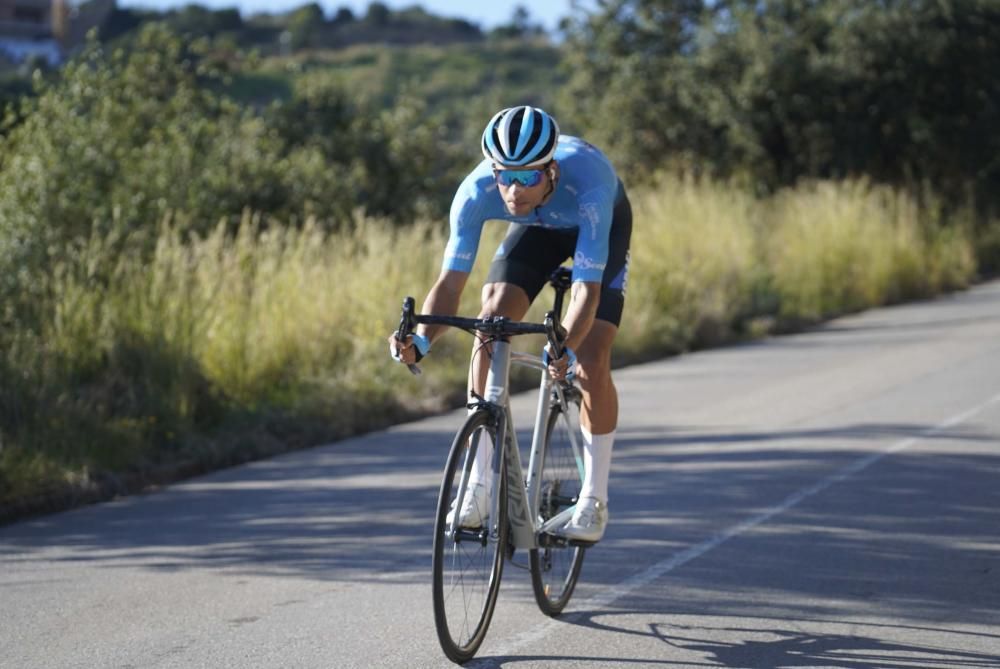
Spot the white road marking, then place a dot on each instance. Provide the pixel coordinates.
(643, 578)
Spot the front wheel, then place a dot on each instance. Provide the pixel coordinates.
(467, 562)
(555, 564)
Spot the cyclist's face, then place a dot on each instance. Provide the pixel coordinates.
(519, 198)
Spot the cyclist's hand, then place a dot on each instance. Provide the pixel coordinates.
(411, 351)
(561, 368)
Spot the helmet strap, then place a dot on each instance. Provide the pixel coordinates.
(553, 175)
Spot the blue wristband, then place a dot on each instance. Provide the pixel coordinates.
(570, 364)
(422, 344)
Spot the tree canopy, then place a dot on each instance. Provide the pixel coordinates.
(772, 91)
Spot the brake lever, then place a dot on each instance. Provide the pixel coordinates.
(405, 328)
(556, 334)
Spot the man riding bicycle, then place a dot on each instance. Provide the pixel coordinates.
(563, 200)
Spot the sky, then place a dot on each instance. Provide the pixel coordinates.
(487, 14)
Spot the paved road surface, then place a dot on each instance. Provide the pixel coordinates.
(830, 499)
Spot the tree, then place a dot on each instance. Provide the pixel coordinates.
(304, 23)
(198, 21)
(519, 26)
(904, 91)
(631, 86)
(379, 15)
(343, 16)
(116, 144)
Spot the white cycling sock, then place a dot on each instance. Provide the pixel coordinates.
(597, 464)
(484, 457)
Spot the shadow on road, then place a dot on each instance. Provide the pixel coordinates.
(357, 510)
(775, 644)
(914, 533)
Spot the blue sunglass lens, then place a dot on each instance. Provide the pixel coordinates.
(526, 178)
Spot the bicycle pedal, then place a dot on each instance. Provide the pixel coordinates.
(548, 540)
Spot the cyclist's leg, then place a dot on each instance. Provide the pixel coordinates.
(599, 413)
(520, 269)
(600, 397)
(499, 299)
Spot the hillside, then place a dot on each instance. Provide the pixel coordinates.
(460, 83)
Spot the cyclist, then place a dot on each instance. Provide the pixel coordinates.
(563, 200)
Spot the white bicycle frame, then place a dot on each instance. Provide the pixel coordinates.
(523, 493)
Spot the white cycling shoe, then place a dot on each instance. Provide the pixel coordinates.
(589, 521)
(474, 507)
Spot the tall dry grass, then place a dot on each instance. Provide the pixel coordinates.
(148, 359)
(838, 247)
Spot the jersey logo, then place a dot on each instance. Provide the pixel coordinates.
(581, 261)
(589, 213)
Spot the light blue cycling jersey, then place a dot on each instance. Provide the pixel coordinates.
(584, 199)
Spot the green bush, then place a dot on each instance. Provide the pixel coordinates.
(901, 92)
(122, 141)
(117, 143)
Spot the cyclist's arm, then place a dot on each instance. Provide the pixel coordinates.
(442, 300)
(580, 313)
(589, 261)
(466, 224)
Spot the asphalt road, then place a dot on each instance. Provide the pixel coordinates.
(829, 499)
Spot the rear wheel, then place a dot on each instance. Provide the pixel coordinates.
(467, 563)
(555, 564)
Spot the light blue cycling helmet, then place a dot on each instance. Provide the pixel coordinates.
(519, 136)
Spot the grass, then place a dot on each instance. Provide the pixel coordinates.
(230, 346)
(842, 247)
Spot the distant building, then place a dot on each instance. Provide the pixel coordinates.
(47, 28)
(28, 28)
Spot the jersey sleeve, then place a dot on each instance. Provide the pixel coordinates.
(591, 255)
(466, 223)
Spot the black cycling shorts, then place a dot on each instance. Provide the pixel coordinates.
(529, 254)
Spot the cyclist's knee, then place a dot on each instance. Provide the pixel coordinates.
(504, 299)
(593, 367)
(594, 355)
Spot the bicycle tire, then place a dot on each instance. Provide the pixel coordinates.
(466, 569)
(555, 565)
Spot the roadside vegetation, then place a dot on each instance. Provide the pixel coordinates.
(202, 250)
(239, 343)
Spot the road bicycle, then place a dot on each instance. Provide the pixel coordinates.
(524, 511)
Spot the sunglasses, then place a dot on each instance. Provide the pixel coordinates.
(527, 178)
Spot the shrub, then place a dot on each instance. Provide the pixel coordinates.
(122, 141)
